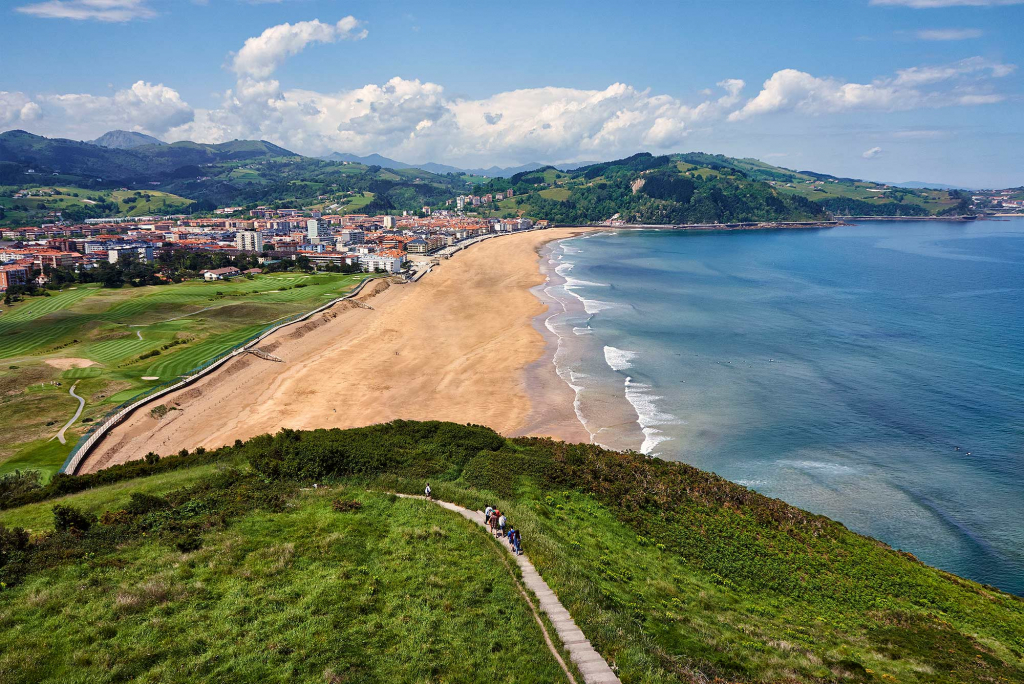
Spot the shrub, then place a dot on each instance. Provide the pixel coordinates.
(152, 457)
(67, 518)
(346, 505)
(189, 543)
(19, 482)
(142, 503)
(13, 540)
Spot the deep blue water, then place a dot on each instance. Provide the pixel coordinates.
(838, 369)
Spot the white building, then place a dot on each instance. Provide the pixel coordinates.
(318, 230)
(460, 202)
(249, 240)
(141, 252)
(371, 262)
(351, 236)
(390, 221)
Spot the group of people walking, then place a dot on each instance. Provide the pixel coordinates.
(497, 521)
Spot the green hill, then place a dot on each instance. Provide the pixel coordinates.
(703, 188)
(141, 162)
(246, 572)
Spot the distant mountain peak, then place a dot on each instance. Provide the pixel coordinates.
(125, 140)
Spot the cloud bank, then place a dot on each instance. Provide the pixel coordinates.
(419, 121)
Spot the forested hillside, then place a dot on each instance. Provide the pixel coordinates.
(668, 189)
(703, 188)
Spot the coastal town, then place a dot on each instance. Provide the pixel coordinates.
(310, 239)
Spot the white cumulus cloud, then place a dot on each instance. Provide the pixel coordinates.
(416, 120)
(98, 10)
(261, 55)
(144, 107)
(872, 153)
(790, 89)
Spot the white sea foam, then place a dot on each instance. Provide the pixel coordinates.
(592, 306)
(583, 331)
(644, 402)
(619, 359)
(564, 268)
(577, 282)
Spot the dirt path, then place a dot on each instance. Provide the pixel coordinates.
(81, 405)
(590, 663)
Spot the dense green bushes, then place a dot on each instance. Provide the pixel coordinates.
(18, 491)
(426, 449)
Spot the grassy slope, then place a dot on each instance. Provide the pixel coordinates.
(674, 575)
(159, 203)
(107, 325)
(37, 517)
(397, 592)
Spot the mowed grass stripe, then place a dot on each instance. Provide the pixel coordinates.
(37, 307)
(188, 359)
(35, 337)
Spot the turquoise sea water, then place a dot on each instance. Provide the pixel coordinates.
(872, 373)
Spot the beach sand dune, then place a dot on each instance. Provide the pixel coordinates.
(454, 346)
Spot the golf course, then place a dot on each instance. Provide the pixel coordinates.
(117, 343)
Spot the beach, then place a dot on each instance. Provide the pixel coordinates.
(454, 346)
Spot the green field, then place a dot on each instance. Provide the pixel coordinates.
(673, 574)
(113, 329)
(354, 204)
(560, 194)
(32, 209)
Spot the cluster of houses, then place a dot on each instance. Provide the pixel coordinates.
(370, 243)
(463, 201)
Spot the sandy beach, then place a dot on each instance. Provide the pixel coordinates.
(454, 346)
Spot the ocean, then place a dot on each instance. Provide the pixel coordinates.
(871, 373)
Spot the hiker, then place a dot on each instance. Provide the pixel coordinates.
(487, 513)
(501, 525)
(427, 490)
(517, 542)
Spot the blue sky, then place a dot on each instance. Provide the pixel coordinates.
(890, 90)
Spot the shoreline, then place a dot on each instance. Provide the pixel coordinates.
(454, 346)
(602, 412)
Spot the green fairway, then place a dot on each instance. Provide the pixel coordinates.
(163, 331)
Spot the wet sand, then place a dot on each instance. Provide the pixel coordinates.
(454, 346)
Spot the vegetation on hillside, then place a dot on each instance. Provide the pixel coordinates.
(704, 188)
(671, 189)
(674, 574)
(159, 178)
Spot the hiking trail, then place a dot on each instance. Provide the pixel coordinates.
(590, 663)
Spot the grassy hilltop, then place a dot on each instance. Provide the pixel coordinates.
(228, 565)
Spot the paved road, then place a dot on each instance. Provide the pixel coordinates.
(590, 663)
(81, 405)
